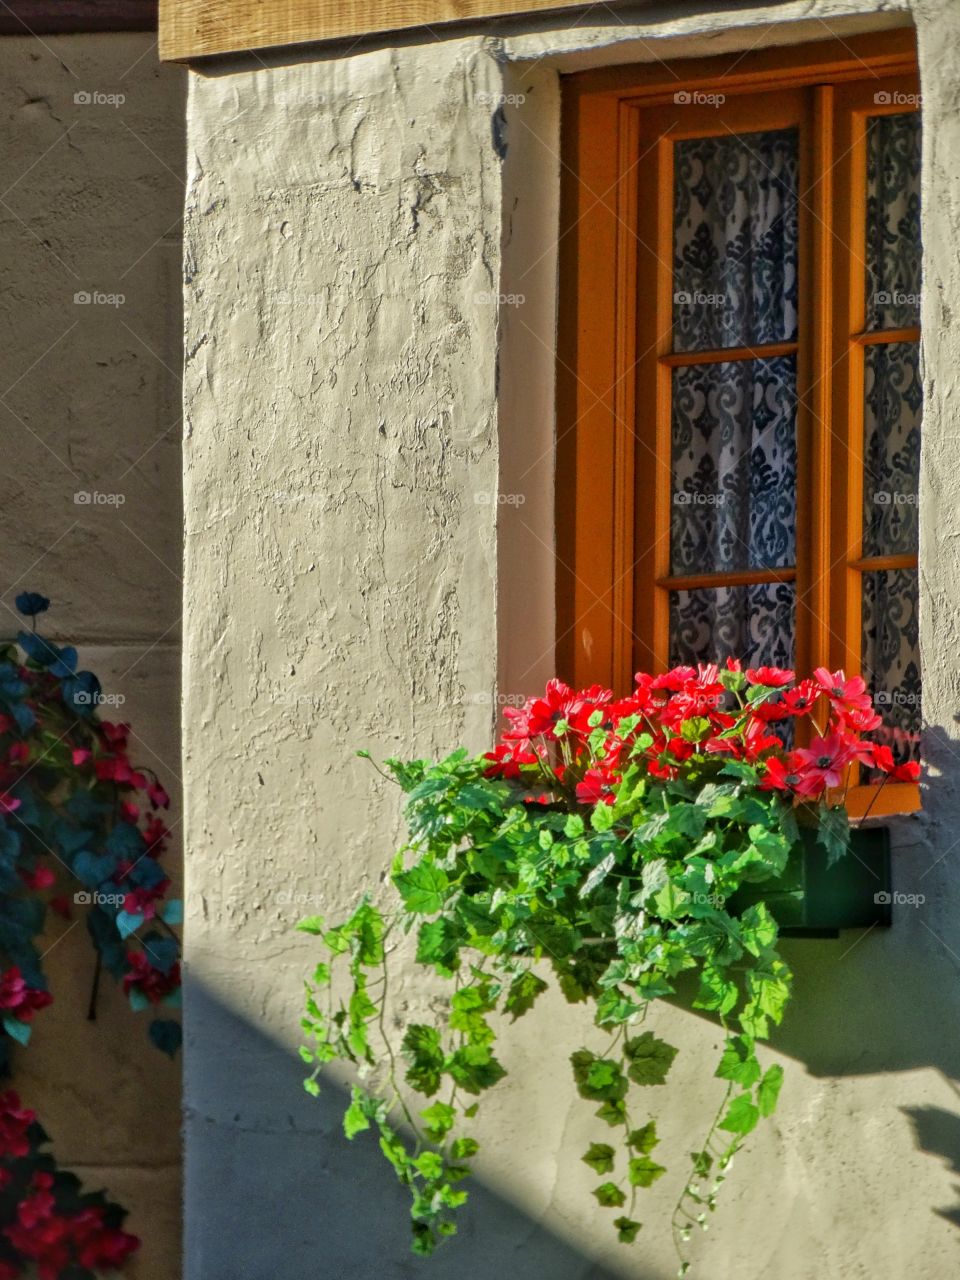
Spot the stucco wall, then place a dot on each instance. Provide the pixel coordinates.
(353, 400)
(90, 202)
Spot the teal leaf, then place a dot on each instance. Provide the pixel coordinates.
(20, 1031)
(166, 1035)
(129, 922)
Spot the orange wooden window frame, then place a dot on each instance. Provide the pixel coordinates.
(615, 355)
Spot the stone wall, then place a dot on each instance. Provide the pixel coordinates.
(92, 145)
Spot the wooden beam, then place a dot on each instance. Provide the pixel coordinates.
(52, 17)
(196, 28)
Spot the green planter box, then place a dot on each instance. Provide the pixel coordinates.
(812, 900)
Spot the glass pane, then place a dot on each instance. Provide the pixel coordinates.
(891, 658)
(891, 448)
(734, 466)
(893, 221)
(755, 623)
(735, 240)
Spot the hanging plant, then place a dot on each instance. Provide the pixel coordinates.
(80, 831)
(603, 842)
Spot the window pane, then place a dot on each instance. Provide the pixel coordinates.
(891, 658)
(893, 221)
(734, 466)
(755, 623)
(735, 240)
(893, 401)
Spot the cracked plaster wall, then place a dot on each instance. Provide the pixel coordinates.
(353, 400)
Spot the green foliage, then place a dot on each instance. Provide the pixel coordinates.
(615, 902)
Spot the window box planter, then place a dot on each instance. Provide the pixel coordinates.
(813, 900)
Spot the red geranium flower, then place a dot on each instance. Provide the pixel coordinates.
(770, 677)
(844, 694)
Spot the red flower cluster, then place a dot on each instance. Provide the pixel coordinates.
(151, 982)
(19, 1000)
(581, 740)
(42, 1234)
(14, 1123)
(53, 1240)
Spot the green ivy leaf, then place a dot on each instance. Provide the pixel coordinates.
(312, 924)
(600, 1157)
(739, 1062)
(439, 1119)
(355, 1118)
(609, 1195)
(601, 819)
(717, 992)
(599, 873)
(422, 1050)
(768, 1089)
(741, 1116)
(474, 1068)
(643, 1172)
(833, 832)
(464, 1148)
(438, 942)
(758, 929)
(613, 1111)
(649, 1058)
(523, 992)
(627, 1229)
(644, 1139)
(423, 888)
(597, 1079)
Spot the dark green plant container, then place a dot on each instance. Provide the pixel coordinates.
(812, 900)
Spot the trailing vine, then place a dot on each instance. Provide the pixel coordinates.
(80, 833)
(603, 843)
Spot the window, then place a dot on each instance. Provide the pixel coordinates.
(739, 390)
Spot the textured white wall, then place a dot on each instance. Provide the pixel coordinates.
(350, 391)
(90, 201)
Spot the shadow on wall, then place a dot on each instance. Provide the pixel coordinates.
(313, 1206)
(938, 1133)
